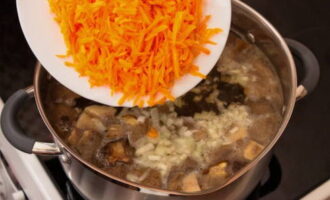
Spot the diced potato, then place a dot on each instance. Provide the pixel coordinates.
(101, 112)
(217, 175)
(86, 122)
(237, 134)
(252, 150)
(190, 183)
(218, 170)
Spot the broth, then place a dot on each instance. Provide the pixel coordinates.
(195, 143)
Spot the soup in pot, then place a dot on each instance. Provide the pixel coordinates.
(192, 144)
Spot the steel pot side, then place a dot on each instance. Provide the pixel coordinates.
(245, 22)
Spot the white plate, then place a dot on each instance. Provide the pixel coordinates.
(46, 41)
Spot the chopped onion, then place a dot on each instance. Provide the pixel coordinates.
(144, 149)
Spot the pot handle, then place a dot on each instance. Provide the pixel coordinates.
(14, 133)
(310, 66)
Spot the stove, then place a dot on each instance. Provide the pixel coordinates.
(301, 161)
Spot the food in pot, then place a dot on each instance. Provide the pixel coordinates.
(138, 48)
(195, 143)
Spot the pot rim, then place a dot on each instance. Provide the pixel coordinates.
(286, 118)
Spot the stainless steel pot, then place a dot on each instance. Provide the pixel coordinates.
(96, 184)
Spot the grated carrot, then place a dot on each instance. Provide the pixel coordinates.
(152, 133)
(135, 47)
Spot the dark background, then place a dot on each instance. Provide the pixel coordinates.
(303, 150)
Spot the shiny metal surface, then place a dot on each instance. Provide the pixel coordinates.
(29, 90)
(95, 187)
(97, 184)
(44, 148)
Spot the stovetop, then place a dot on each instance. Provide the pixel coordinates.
(302, 151)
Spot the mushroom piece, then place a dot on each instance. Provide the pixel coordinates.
(190, 183)
(252, 150)
(114, 152)
(174, 181)
(134, 128)
(153, 179)
(74, 137)
(88, 144)
(130, 119)
(117, 153)
(115, 132)
(86, 122)
(101, 112)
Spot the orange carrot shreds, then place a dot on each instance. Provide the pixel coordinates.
(152, 133)
(197, 73)
(161, 101)
(61, 56)
(140, 104)
(135, 47)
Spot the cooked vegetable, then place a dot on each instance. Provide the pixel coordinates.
(115, 132)
(152, 133)
(88, 144)
(216, 175)
(117, 152)
(237, 133)
(218, 170)
(252, 150)
(138, 48)
(190, 183)
(87, 122)
(101, 112)
(193, 146)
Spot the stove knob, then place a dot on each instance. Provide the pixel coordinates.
(19, 195)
